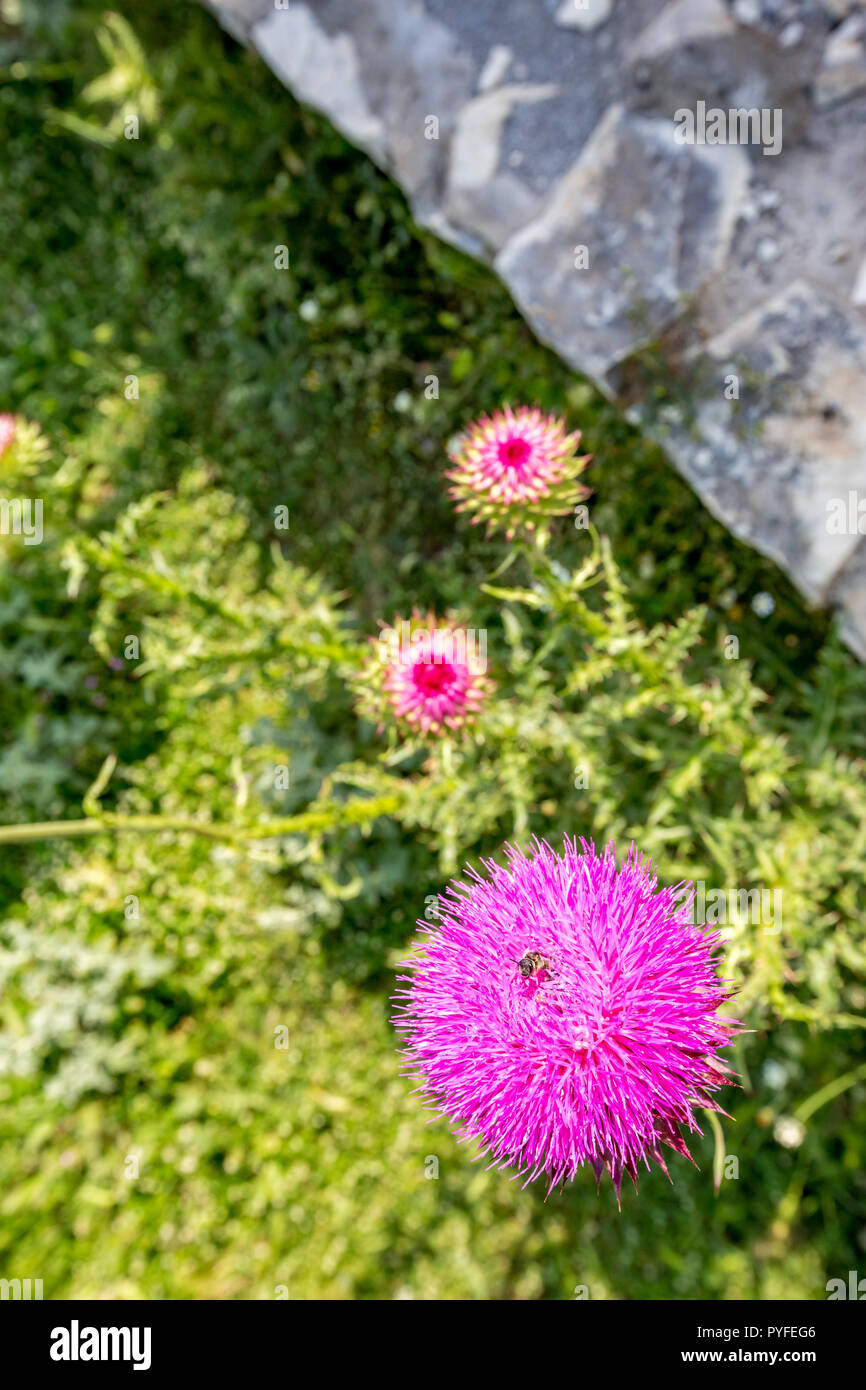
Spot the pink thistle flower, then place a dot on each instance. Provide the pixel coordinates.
(428, 675)
(516, 468)
(8, 427)
(564, 1013)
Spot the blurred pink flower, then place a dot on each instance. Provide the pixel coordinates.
(428, 675)
(7, 432)
(516, 467)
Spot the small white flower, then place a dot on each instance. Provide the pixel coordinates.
(763, 605)
(403, 402)
(788, 1132)
(309, 310)
(775, 1074)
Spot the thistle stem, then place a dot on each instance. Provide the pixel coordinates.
(829, 1092)
(719, 1152)
(357, 812)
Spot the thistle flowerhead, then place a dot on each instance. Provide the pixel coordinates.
(426, 676)
(564, 1012)
(516, 469)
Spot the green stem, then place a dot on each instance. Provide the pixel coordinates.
(829, 1092)
(642, 663)
(171, 588)
(719, 1152)
(358, 812)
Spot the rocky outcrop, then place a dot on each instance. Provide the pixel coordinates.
(673, 191)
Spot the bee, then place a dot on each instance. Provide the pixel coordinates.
(531, 964)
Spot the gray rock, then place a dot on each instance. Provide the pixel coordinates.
(768, 250)
(839, 9)
(849, 594)
(792, 34)
(695, 50)
(679, 208)
(310, 60)
(583, 14)
(842, 74)
(747, 11)
(494, 204)
(497, 65)
(526, 130)
(798, 430)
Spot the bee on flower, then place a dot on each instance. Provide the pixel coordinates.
(516, 469)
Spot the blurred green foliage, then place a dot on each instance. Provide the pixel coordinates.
(200, 1091)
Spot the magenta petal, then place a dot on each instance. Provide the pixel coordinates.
(564, 1012)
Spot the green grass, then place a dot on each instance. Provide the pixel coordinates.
(146, 1032)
